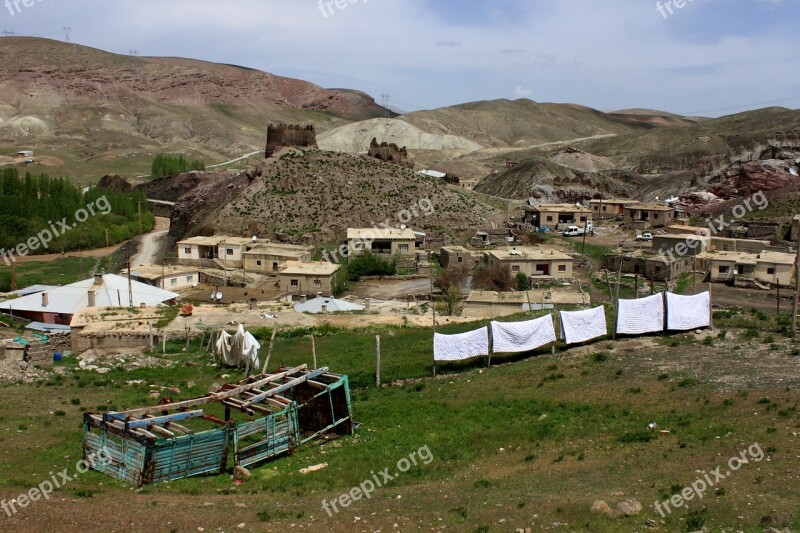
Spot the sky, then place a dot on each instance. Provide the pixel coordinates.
(692, 57)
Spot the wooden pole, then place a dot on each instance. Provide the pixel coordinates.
(778, 303)
(314, 351)
(378, 361)
(164, 343)
(608, 284)
(710, 308)
(636, 286)
(269, 352)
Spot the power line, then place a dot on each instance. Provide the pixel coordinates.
(385, 97)
(7, 33)
(133, 54)
(67, 30)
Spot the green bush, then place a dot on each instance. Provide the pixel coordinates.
(172, 165)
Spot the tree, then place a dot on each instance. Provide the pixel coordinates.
(453, 277)
(523, 282)
(450, 302)
(496, 277)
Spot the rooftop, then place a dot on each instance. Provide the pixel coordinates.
(778, 258)
(558, 207)
(372, 234)
(529, 253)
(216, 240)
(534, 297)
(111, 291)
(153, 272)
(613, 201)
(650, 207)
(319, 268)
(332, 305)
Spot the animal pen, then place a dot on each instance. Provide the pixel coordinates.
(275, 413)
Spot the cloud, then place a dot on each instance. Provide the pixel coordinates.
(522, 92)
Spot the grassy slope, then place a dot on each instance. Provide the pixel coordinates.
(497, 457)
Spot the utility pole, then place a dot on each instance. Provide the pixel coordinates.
(433, 303)
(133, 54)
(130, 285)
(67, 30)
(13, 275)
(7, 33)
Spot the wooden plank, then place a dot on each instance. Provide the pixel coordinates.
(213, 397)
(286, 386)
(160, 420)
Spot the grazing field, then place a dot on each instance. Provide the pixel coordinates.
(531, 443)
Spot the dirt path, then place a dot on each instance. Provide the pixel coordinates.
(150, 245)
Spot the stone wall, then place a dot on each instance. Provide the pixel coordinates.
(389, 153)
(282, 135)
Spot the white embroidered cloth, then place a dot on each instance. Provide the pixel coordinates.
(688, 312)
(645, 315)
(581, 326)
(513, 337)
(461, 346)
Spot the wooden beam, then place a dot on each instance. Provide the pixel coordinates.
(286, 386)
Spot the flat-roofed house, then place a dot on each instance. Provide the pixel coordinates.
(605, 208)
(534, 262)
(167, 277)
(644, 216)
(267, 258)
(227, 251)
(681, 229)
(556, 216)
(307, 278)
(681, 245)
(388, 241)
(741, 268)
(458, 256)
(198, 248)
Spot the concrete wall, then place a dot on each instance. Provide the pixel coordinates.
(557, 268)
(306, 284)
(81, 341)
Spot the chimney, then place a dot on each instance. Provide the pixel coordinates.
(98, 279)
(92, 301)
(45, 299)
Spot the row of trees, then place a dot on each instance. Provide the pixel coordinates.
(172, 165)
(34, 204)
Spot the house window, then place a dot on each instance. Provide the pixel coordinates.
(655, 215)
(725, 248)
(460, 259)
(583, 219)
(173, 282)
(229, 251)
(549, 218)
(190, 279)
(723, 270)
(562, 268)
(403, 248)
(657, 269)
(294, 283)
(514, 269)
(771, 271)
(258, 263)
(317, 284)
(187, 250)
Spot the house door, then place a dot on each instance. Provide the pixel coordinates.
(544, 269)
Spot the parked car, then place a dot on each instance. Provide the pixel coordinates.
(645, 237)
(577, 231)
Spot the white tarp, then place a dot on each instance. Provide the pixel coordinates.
(645, 315)
(514, 337)
(461, 346)
(688, 312)
(237, 350)
(581, 326)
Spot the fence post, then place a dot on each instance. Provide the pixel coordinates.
(314, 351)
(378, 361)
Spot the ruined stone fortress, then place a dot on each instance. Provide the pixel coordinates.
(282, 135)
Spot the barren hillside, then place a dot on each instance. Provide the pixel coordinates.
(312, 196)
(100, 112)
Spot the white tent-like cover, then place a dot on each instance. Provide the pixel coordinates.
(238, 349)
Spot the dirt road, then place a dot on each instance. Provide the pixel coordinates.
(151, 244)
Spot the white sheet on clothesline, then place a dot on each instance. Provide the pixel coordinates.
(582, 326)
(514, 337)
(461, 346)
(645, 315)
(688, 312)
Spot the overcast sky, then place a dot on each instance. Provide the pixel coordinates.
(710, 57)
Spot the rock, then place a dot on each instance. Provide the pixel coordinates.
(155, 395)
(215, 387)
(652, 524)
(389, 153)
(776, 518)
(629, 507)
(241, 473)
(191, 385)
(174, 390)
(601, 507)
(103, 370)
(314, 468)
(23, 365)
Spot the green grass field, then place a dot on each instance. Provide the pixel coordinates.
(528, 443)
